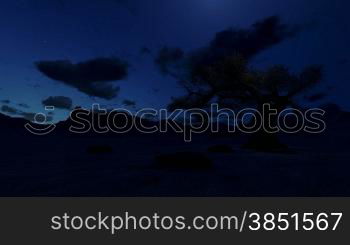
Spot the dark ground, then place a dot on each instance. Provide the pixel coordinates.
(127, 165)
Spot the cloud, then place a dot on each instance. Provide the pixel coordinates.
(343, 61)
(24, 105)
(250, 42)
(60, 102)
(91, 77)
(33, 117)
(168, 56)
(105, 91)
(130, 103)
(315, 97)
(5, 101)
(30, 116)
(9, 109)
(145, 50)
(247, 43)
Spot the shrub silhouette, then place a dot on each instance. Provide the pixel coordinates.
(220, 149)
(183, 160)
(99, 149)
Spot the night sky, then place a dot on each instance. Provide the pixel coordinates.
(135, 30)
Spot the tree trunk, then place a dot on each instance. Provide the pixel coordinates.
(265, 141)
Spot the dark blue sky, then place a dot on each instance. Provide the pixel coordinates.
(35, 30)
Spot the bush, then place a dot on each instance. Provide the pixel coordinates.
(220, 149)
(99, 149)
(184, 160)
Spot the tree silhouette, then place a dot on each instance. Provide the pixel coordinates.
(228, 79)
(232, 83)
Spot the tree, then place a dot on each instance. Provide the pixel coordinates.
(226, 78)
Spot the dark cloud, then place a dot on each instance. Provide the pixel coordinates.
(92, 77)
(342, 61)
(105, 91)
(60, 102)
(250, 42)
(130, 103)
(145, 50)
(5, 101)
(30, 116)
(315, 97)
(9, 109)
(168, 56)
(246, 43)
(34, 117)
(24, 105)
(34, 85)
